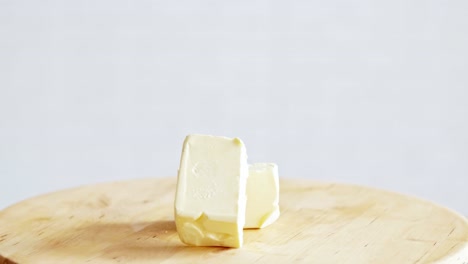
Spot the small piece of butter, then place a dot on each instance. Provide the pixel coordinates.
(210, 198)
(262, 207)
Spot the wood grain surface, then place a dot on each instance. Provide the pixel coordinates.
(132, 222)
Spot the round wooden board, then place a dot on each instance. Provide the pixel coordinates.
(132, 222)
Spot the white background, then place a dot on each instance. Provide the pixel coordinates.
(365, 92)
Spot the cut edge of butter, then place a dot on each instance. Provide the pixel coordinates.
(262, 208)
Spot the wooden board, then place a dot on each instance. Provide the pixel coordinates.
(132, 222)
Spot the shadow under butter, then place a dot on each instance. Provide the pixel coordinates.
(122, 241)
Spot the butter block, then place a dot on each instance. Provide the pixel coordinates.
(262, 207)
(210, 196)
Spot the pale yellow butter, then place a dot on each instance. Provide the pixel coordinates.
(210, 197)
(262, 207)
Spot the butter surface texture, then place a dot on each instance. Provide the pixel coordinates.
(210, 196)
(262, 195)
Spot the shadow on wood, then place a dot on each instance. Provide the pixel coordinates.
(4, 260)
(119, 241)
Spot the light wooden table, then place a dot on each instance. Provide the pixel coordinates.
(132, 222)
